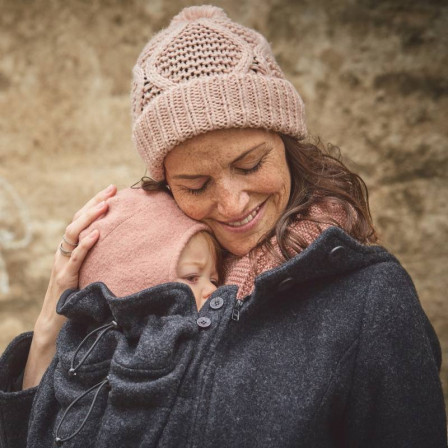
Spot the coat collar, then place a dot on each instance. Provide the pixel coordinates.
(333, 253)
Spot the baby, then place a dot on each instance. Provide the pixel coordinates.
(146, 240)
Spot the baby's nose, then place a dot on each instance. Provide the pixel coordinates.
(208, 290)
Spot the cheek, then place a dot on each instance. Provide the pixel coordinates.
(274, 182)
(282, 181)
(193, 207)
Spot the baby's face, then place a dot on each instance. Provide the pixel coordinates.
(197, 268)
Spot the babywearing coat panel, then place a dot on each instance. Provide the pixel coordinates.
(328, 351)
(143, 360)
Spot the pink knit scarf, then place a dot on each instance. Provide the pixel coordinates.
(242, 271)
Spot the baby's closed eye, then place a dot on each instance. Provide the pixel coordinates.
(192, 278)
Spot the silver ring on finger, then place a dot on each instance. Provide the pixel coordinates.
(66, 253)
(68, 242)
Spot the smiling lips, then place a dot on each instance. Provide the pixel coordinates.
(246, 220)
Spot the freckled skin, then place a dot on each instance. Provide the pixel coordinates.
(230, 193)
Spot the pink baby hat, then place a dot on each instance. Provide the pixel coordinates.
(206, 72)
(141, 238)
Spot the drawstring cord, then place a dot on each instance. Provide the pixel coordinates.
(58, 440)
(105, 329)
(72, 372)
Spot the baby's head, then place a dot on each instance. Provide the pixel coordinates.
(199, 266)
(146, 240)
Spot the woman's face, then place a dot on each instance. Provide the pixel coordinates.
(236, 181)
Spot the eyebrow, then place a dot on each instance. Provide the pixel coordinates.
(193, 263)
(197, 176)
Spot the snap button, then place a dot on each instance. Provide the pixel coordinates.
(204, 322)
(337, 254)
(285, 284)
(216, 303)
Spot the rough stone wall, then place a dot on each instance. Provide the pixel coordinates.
(373, 75)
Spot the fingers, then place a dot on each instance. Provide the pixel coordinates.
(69, 243)
(98, 198)
(66, 268)
(78, 239)
(91, 211)
(79, 254)
(74, 229)
(72, 251)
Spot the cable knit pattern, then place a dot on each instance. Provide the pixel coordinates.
(242, 271)
(206, 72)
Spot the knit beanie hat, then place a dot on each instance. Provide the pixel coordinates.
(206, 72)
(141, 238)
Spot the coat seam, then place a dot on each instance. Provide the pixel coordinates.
(160, 371)
(176, 397)
(210, 394)
(213, 362)
(353, 345)
(192, 442)
(198, 398)
(3, 440)
(362, 327)
(421, 319)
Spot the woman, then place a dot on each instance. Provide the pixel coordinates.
(321, 343)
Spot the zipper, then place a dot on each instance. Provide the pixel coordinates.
(236, 309)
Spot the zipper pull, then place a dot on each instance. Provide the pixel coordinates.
(236, 309)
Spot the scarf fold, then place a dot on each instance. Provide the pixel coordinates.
(242, 271)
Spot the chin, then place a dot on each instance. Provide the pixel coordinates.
(240, 249)
(239, 252)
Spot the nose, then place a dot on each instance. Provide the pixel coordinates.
(208, 289)
(231, 200)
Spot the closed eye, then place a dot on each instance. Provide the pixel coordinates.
(196, 190)
(191, 278)
(244, 171)
(253, 169)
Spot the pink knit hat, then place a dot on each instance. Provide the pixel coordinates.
(206, 72)
(141, 238)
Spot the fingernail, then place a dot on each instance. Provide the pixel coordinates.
(100, 205)
(109, 188)
(93, 233)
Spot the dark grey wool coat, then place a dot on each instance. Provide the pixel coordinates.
(333, 349)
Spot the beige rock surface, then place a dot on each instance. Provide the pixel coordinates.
(373, 76)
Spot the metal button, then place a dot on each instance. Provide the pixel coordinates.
(285, 284)
(204, 322)
(337, 254)
(216, 303)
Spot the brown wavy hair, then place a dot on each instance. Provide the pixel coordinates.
(317, 173)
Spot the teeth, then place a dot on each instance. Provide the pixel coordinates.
(245, 220)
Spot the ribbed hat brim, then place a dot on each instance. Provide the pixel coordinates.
(216, 102)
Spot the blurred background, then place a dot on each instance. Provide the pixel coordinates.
(373, 75)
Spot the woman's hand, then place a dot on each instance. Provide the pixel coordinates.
(64, 275)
